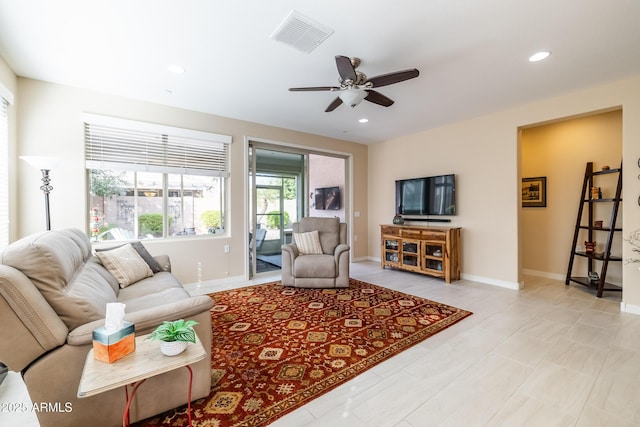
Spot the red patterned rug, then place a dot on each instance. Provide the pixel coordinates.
(276, 348)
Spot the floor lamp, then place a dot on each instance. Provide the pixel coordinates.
(45, 164)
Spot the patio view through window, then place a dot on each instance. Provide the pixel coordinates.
(149, 181)
(148, 205)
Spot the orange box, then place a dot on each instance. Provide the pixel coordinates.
(110, 346)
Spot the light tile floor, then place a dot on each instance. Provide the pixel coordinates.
(548, 355)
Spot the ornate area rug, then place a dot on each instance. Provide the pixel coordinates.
(276, 348)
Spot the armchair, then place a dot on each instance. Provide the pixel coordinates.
(325, 267)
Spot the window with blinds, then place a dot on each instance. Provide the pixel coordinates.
(127, 145)
(153, 181)
(4, 173)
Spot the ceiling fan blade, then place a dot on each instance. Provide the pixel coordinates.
(345, 68)
(378, 98)
(335, 104)
(391, 78)
(311, 89)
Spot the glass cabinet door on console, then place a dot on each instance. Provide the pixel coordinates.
(411, 254)
(433, 257)
(392, 251)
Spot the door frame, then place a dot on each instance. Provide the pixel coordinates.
(299, 149)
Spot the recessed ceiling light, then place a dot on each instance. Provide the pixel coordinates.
(176, 69)
(539, 56)
(363, 120)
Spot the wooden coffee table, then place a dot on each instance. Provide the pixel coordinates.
(133, 370)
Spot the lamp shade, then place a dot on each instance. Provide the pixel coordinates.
(352, 97)
(42, 162)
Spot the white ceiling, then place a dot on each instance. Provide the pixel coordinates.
(471, 54)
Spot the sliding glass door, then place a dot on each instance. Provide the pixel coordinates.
(277, 183)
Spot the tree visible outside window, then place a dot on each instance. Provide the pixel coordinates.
(130, 205)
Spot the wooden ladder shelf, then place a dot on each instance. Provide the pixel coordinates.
(599, 284)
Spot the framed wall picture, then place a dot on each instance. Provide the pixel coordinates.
(534, 192)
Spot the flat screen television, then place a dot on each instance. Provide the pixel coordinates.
(327, 198)
(433, 195)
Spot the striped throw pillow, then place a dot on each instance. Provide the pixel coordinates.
(308, 243)
(125, 264)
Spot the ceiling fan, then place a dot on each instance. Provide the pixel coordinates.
(355, 86)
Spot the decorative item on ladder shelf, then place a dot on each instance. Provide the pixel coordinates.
(590, 247)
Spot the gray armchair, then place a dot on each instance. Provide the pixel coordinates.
(328, 269)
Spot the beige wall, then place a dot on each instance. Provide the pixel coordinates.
(327, 171)
(484, 153)
(473, 151)
(560, 152)
(50, 123)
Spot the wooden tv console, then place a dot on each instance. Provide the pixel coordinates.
(427, 250)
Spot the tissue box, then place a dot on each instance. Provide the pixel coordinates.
(109, 346)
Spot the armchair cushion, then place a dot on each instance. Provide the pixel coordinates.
(321, 266)
(308, 243)
(125, 264)
(328, 231)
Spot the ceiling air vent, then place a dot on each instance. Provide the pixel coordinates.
(301, 32)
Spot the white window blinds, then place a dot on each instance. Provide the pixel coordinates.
(119, 144)
(4, 173)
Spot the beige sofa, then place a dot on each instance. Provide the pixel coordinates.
(329, 268)
(53, 295)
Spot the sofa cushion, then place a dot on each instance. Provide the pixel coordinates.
(159, 282)
(308, 243)
(108, 277)
(125, 264)
(86, 296)
(58, 263)
(155, 299)
(157, 291)
(328, 231)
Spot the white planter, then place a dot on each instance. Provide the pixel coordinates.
(172, 348)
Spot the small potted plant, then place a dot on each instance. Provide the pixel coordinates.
(174, 336)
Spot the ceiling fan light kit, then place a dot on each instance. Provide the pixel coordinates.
(355, 86)
(352, 97)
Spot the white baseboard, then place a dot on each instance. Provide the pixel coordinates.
(630, 308)
(494, 282)
(544, 274)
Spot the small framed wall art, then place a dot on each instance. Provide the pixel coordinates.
(534, 192)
